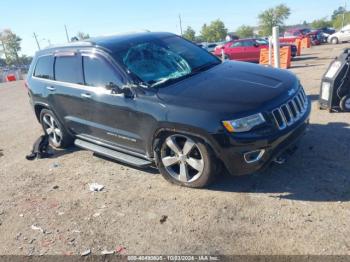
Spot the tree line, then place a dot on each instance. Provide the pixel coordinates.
(10, 43)
(216, 31)
(10, 47)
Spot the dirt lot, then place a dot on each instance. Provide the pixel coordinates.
(302, 207)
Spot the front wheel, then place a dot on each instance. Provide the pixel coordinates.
(186, 161)
(345, 103)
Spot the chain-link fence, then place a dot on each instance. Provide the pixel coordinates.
(11, 74)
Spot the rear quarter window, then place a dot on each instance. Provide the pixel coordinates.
(69, 69)
(44, 67)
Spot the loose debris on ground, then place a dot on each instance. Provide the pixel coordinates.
(94, 187)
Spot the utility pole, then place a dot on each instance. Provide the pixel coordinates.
(65, 27)
(36, 39)
(180, 23)
(344, 14)
(276, 46)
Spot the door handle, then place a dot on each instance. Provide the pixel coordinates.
(51, 88)
(86, 95)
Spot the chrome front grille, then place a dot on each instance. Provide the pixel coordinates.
(290, 112)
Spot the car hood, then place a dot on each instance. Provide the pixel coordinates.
(232, 87)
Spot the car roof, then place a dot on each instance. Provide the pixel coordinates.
(109, 43)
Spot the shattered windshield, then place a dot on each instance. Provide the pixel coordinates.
(160, 60)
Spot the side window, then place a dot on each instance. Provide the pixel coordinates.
(44, 67)
(237, 44)
(248, 43)
(99, 73)
(68, 69)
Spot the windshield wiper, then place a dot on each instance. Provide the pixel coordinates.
(194, 71)
(204, 67)
(170, 80)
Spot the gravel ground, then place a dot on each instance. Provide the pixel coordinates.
(301, 207)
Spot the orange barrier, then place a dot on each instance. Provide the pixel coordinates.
(10, 77)
(306, 42)
(298, 45)
(285, 57)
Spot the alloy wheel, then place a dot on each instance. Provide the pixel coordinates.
(52, 129)
(182, 158)
(347, 103)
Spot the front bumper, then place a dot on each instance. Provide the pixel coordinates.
(233, 155)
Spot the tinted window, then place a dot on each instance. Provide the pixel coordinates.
(262, 42)
(237, 44)
(248, 43)
(68, 69)
(44, 67)
(98, 73)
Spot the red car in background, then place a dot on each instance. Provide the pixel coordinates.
(247, 50)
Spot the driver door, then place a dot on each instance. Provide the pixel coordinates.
(113, 118)
(236, 51)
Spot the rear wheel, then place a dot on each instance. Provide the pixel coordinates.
(334, 40)
(345, 103)
(186, 161)
(58, 135)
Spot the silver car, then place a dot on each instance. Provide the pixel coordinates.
(341, 36)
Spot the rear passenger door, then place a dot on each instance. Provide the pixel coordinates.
(66, 92)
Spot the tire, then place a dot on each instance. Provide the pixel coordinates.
(334, 41)
(58, 135)
(186, 161)
(345, 103)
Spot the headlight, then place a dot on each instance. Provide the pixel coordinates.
(325, 90)
(333, 69)
(244, 124)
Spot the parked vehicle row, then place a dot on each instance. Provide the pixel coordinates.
(316, 36)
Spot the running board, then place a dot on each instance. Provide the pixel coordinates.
(104, 151)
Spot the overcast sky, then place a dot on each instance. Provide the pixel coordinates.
(47, 18)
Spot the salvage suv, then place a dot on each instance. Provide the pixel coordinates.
(156, 98)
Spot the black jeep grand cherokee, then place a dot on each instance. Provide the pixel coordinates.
(155, 97)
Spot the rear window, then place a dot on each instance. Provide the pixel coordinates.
(69, 69)
(44, 67)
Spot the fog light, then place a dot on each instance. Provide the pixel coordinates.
(326, 87)
(254, 156)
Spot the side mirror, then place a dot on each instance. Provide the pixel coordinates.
(256, 45)
(115, 89)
